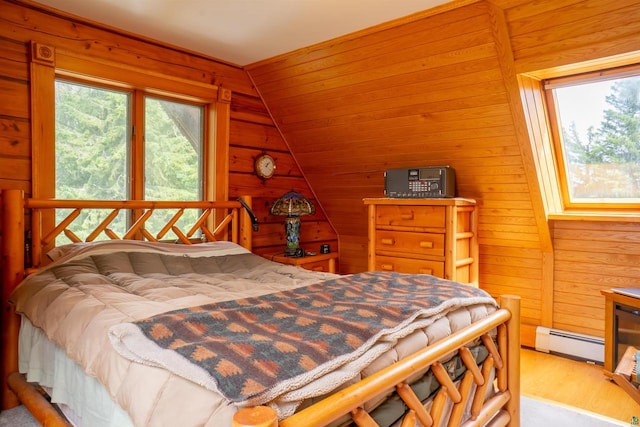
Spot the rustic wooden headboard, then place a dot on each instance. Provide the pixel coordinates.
(219, 220)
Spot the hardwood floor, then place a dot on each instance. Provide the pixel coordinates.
(574, 383)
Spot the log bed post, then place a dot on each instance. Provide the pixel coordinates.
(12, 274)
(246, 230)
(512, 351)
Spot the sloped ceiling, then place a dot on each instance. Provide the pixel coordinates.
(241, 31)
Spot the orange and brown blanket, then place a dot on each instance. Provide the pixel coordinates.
(254, 349)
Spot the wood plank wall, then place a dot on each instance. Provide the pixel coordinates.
(441, 89)
(251, 128)
(591, 256)
(551, 37)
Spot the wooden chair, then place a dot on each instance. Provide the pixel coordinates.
(625, 374)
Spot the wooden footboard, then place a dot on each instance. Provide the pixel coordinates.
(500, 409)
(220, 220)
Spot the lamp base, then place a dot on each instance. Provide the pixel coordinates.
(292, 232)
(294, 253)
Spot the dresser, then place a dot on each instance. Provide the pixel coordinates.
(424, 236)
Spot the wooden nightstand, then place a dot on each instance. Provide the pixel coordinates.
(319, 262)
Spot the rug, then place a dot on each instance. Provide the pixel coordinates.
(536, 412)
(17, 417)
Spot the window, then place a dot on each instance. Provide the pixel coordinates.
(153, 117)
(92, 142)
(173, 150)
(595, 118)
(94, 147)
(173, 147)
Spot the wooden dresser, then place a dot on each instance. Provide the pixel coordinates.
(424, 236)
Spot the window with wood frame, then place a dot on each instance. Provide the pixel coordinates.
(95, 149)
(595, 123)
(151, 135)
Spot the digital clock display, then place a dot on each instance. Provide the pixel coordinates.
(430, 173)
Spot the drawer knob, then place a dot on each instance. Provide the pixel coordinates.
(407, 216)
(426, 244)
(426, 271)
(387, 267)
(388, 241)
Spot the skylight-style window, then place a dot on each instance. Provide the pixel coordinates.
(595, 120)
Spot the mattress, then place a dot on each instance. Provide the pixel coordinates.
(75, 308)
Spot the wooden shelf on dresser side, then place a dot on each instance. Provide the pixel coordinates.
(424, 236)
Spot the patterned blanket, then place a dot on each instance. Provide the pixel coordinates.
(252, 350)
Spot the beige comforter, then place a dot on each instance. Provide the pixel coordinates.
(76, 307)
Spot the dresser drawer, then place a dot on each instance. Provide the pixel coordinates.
(411, 216)
(410, 242)
(413, 266)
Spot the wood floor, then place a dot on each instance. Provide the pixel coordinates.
(574, 383)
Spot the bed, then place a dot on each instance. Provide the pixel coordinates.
(467, 353)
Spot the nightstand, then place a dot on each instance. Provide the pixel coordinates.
(319, 262)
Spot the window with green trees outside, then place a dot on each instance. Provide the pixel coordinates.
(95, 154)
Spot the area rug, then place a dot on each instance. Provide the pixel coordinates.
(17, 417)
(536, 412)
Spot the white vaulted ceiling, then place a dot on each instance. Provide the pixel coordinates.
(242, 31)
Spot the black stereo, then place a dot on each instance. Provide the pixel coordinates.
(432, 181)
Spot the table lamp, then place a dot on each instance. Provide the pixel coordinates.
(292, 205)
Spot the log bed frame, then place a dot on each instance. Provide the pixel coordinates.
(228, 220)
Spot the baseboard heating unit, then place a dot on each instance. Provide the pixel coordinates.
(571, 344)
